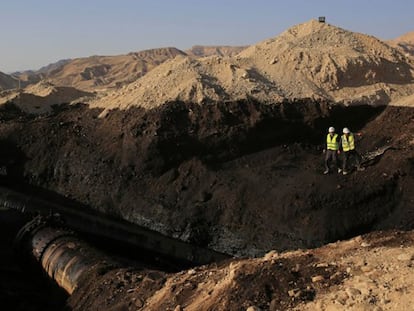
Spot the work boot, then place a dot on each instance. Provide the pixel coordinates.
(345, 172)
(326, 172)
(339, 171)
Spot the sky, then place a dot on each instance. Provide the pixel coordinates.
(35, 33)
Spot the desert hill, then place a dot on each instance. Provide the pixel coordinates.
(310, 60)
(7, 82)
(101, 72)
(318, 58)
(219, 50)
(41, 97)
(405, 42)
(187, 79)
(33, 76)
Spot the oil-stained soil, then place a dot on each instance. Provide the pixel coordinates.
(241, 178)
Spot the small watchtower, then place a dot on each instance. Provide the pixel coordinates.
(321, 19)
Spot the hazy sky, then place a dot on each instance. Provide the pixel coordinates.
(35, 33)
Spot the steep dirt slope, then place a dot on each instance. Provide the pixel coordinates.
(405, 42)
(211, 50)
(102, 72)
(7, 82)
(243, 178)
(240, 177)
(311, 60)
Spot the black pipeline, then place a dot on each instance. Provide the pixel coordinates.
(90, 222)
(63, 256)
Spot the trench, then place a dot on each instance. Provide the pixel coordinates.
(180, 156)
(24, 286)
(45, 261)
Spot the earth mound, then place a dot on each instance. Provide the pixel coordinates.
(318, 58)
(41, 97)
(210, 79)
(311, 60)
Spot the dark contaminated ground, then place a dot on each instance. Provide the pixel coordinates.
(241, 178)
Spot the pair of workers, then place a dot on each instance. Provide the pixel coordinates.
(334, 145)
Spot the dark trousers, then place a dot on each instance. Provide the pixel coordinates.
(330, 155)
(347, 155)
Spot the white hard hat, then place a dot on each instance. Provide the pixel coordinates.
(346, 130)
(331, 129)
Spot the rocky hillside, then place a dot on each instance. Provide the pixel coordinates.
(33, 76)
(405, 42)
(311, 60)
(318, 58)
(7, 82)
(218, 50)
(101, 72)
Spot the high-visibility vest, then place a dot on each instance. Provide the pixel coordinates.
(332, 142)
(348, 143)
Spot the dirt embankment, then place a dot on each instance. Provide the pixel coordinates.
(348, 275)
(242, 178)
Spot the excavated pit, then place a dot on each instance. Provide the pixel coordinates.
(240, 178)
(216, 175)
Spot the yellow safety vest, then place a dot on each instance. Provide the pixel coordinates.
(348, 144)
(332, 142)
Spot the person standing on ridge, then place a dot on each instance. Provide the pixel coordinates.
(331, 150)
(348, 148)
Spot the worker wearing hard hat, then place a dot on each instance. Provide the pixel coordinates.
(331, 150)
(348, 148)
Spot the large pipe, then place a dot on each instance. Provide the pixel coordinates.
(91, 222)
(64, 257)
